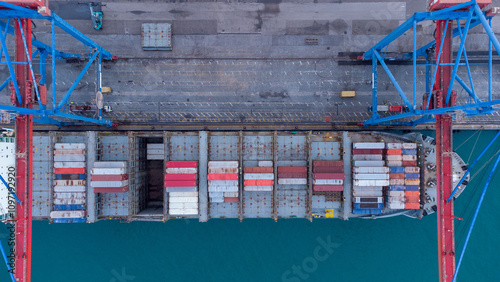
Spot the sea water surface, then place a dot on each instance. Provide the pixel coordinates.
(393, 249)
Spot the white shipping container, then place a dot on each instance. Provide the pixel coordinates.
(371, 182)
(69, 158)
(396, 182)
(230, 194)
(232, 170)
(396, 199)
(182, 170)
(393, 145)
(155, 146)
(69, 146)
(409, 145)
(374, 176)
(183, 206)
(182, 199)
(382, 108)
(217, 200)
(368, 193)
(261, 176)
(359, 200)
(396, 205)
(59, 195)
(215, 194)
(109, 183)
(110, 164)
(394, 163)
(292, 181)
(222, 164)
(368, 145)
(108, 171)
(155, 157)
(182, 189)
(67, 214)
(409, 157)
(258, 188)
(156, 152)
(71, 201)
(70, 189)
(396, 193)
(367, 157)
(369, 163)
(69, 164)
(69, 152)
(223, 183)
(394, 157)
(223, 188)
(69, 183)
(183, 211)
(370, 169)
(183, 194)
(411, 169)
(328, 182)
(368, 188)
(265, 163)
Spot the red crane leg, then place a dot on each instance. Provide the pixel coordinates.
(24, 132)
(446, 232)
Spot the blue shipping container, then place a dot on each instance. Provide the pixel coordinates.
(69, 207)
(367, 211)
(70, 220)
(412, 175)
(412, 188)
(409, 151)
(70, 177)
(396, 188)
(397, 169)
(368, 206)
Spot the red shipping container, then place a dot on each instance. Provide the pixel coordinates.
(328, 163)
(80, 170)
(292, 169)
(328, 169)
(412, 206)
(367, 151)
(222, 176)
(179, 164)
(292, 175)
(258, 182)
(180, 183)
(394, 151)
(396, 176)
(412, 194)
(409, 163)
(180, 177)
(109, 177)
(329, 176)
(335, 188)
(231, 199)
(111, 190)
(258, 169)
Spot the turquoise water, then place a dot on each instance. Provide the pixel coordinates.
(395, 249)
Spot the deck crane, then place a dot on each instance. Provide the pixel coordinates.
(28, 94)
(440, 101)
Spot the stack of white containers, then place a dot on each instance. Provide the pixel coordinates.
(259, 178)
(70, 183)
(181, 185)
(369, 177)
(396, 189)
(223, 181)
(109, 177)
(155, 151)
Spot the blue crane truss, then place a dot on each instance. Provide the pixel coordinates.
(58, 110)
(469, 12)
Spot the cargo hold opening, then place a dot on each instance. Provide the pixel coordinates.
(151, 195)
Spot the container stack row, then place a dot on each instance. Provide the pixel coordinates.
(292, 175)
(412, 176)
(155, 151)
(396, 189)
(328, 176)
(181, 183)
(223, 181)
(370, 175)
(109, 177)
(70, 191)
(259, 178)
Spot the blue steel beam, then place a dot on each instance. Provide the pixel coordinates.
(5, 83)
(436, 69)
(11, 69)
(70, 116)
(487, 28)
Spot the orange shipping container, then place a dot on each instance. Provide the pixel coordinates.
(412, 181)
(396, 176)
(394, 151)
(258, 170)
(412, 206)
(258, 182)
(412, 200)
(412, 193)
(69, 170)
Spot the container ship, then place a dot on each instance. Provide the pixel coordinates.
(157, 176)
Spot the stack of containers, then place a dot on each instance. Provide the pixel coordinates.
(181, 185)
(369, 177)
(155, 151)
(396, 189)
(259, 178)
(109, 177)
(70, 183)
(292, 175)
(223, 181)
(412, 176)
(328, 176)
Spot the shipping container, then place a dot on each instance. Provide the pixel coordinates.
(367, 211)
(155, 157)
(105, 171)
(180, 177)
(377, 200)
(328, 169)
(328, 188)
(182, 164)
(396, 188)
(69, 170)
(231, 194)
(223, 164)
(396, 176)
(70, 146)
(69, 207)
(69, 164)
(412, 194)
(409, 146)
(328, 163)
(70, 189)
(397, 169)
(217, 200)
(369, 163)
(394, 163)
(292, 169)
(110, 164)
(182, 211)
(182, 170)
(367, 151)
(393, 152)
(415, 169)
(412, 182)
(70, 176)
(368, 145)
(409, 157)
(412, 175)
(367, 157)
(292, 175)
(70, 182)
(396, 182)
(258, 170)
(409, 163)
(373, 176)
(368, 169)
(265, 163)
(221, 170)
(263, 176)
(412, 199)
(69, 158)
(394, 157)
(180, 183)
(396, 205)
(382, 108)
(393, 146)
(371, 182)
(409, 151)
(368, 193)
(59, 195)
(110, 183)
(181, 189)
(412, 206)
(293, 181)
(412, 188)
(258, 182)
(70, 201)
(368, 188)
(368, 206)
(69, 152)
(155, 146)
(396, 193)
(70, 220)
(223, 183)
(110, 189)
(176, 206)
(396, 199)
(223, 188)
(231, 199)
(109, 177)
(258, 188)
(215, 194)
(182, 199)
(67, 214)
(329, 176)
(328, 182)
(156, 152)
(211, 177)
